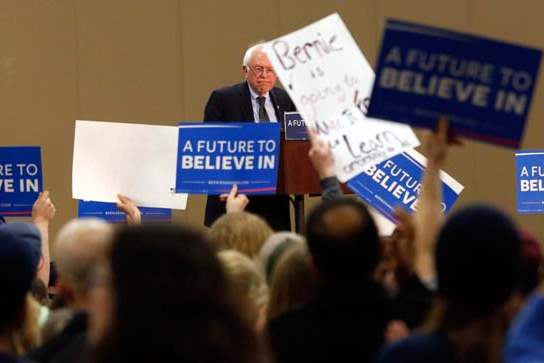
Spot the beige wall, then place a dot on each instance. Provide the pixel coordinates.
(157, 61)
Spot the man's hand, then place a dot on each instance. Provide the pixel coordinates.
(127, 206)
(321, 156)
(437, 143)
(43, 210)
(235, 202)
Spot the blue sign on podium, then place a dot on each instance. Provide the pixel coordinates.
(530, 181)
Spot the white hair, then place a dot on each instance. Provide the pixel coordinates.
(250, 52)
(79, 245)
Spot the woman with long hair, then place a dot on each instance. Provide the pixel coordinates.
(163, 297)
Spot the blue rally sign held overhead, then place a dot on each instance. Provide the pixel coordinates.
(214, 156)
(396, 182)
(109, 212)
(20, 179)
(483, 86)
(530, 181)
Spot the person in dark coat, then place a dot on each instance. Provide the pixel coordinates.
(254, 100)
(348, 318)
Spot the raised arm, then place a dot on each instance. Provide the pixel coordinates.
(428, 217)
(323, 161)
(43, 211)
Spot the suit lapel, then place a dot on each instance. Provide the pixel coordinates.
(277, 107)
(245, 103)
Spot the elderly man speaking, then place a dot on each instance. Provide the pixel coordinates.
(254, 100)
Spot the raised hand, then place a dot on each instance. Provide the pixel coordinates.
(235, 202)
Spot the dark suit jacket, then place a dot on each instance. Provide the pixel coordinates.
(233, 104)
(345, 323)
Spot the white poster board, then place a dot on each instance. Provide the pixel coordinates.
(136, 160)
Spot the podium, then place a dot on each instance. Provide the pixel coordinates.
(297, 176)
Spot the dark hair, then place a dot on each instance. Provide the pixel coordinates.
(477, 257)
(343, 239)
(39, 291)
(18, 261)
(172, 301)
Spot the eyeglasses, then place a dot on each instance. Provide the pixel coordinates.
(259, 70)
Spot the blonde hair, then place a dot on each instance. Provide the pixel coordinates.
(247, 282)
(241, 231)
(292, 282)
(274, 247)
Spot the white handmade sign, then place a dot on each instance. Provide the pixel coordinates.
(138, 161)
(329, 80)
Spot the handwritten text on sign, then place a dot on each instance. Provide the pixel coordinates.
(329, 80)
(322, 69)
(361, 143)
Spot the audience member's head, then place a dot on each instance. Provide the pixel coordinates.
(478, 257)
(18, 264)
(343, 240)
(164, 297)
(242, 231)
(78, 247)
(248, 283)
(274, 247)
(292, 283)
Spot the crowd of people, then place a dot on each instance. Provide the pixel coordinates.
(462, 288)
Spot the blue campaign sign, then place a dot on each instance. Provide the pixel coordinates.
(109, 212)
(20, 179)
(483, 86)
(214, 156)
(294, 126)
(396, 182)
(530, 181)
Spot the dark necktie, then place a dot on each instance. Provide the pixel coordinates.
(263, 116)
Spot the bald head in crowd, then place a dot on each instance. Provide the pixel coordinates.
(343, 240)
(78, 247)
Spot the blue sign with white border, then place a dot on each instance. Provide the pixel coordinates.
(294, 126)
(396, 182)
(214, 156)
(20, 179)
(530, 181)
(109, 212)
(483, 86)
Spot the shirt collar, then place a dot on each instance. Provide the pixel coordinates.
(254, 94)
